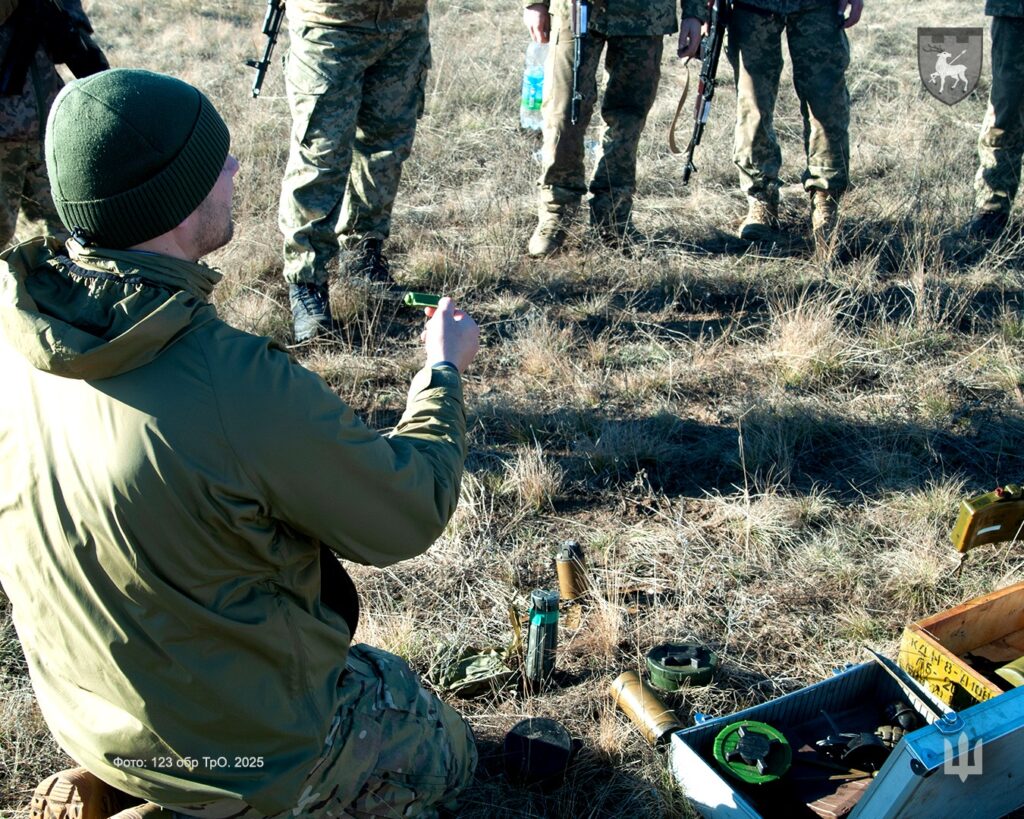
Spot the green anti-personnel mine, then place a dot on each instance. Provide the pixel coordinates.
(412, 299)
(674, 665)
(753, 752)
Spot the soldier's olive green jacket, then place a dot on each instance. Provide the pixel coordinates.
(359, 13)
(1004, 8)
(165, 482)
(631, 18)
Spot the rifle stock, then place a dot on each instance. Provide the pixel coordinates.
(271, 28)
(710, 54)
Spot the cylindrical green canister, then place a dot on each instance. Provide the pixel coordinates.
(542, 639)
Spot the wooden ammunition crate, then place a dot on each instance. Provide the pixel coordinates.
(991, 627)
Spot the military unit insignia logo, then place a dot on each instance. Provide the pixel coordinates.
(949, 61)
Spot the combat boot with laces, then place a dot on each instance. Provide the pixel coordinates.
(76, 794)
(552, 230)
(367, 261)
(761, 223)
(311, 310)
(824, 216)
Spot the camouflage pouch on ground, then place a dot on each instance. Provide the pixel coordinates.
(469, 672)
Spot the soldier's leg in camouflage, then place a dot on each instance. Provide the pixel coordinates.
(633, 65)
(1001, 145)
(394, 749)
(323, 78)
(37, 203)
(394, 87)
(820, 53)
(754, 47)
(562, 182)
(13, 159)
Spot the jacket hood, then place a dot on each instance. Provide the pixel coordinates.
(93, 313)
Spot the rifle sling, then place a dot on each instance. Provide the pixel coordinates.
(672, 146)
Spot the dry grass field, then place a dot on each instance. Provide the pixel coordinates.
(758, 448)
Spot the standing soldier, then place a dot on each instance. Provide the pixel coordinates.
(1002, 134)
(632, 30)
(356, 76)
(820, 51)
(34, 36)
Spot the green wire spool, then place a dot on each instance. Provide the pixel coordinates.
(753, 752)
(673, 665)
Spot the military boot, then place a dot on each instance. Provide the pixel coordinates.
(311, 310)
(551, 232)
(824, 217)
(613, 222)
(987, 225)
(761, 223)
(76, 794)
(367, 261)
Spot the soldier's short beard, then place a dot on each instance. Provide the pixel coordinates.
(215, 226)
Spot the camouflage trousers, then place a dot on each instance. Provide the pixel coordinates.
(25, 188)
(633, 65)
(355, 95)
(393, 749)
(1001, 145)
(820, 53)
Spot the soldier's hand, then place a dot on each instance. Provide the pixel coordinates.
(7, 8)
(450, 335)
(689, 38)
(856, 8)
(538, 21)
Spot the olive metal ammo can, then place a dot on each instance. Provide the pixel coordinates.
(644, 707)
(542, 638)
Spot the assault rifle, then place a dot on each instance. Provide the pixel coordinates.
(710, 51)
(271, 28)
(578, 23)
(66, 40)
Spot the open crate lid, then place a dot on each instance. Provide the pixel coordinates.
(929, 706)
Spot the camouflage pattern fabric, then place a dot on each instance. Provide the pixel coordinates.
(24, 187)
(23, 183)
(633, 65)
(372, 15)
(787, 6)
(629, 18)
(355, 95)
(393, 749)
(1001, 145)
(820, 53)
(1004, 8)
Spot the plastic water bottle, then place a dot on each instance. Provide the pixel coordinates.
(533, 87)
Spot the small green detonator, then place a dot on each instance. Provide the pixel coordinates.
(420, 299)
(542, 639)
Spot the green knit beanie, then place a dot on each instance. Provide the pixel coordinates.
(131, 153)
